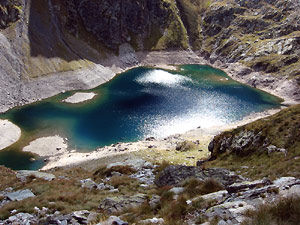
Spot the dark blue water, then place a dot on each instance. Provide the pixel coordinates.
(138, 103)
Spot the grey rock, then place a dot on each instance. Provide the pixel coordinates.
(175, 174)
(81, 216)
(88, 183)
(273, 148)
(22, 218)
(103, 186)
(177, 190)
(19, 195)
(154, 220)
(117, 204)
(23, 174)
(134, 163)
(218, 196)
(246, 185)
(144, 175)
(230, 211)
(293, 191)
(113, 220)
(154, 201)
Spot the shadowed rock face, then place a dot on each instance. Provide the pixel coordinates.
(9, 12)
(115, 22)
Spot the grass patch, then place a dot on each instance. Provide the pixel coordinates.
(103, 171)
(8, 178)
(185, 146)
(194, 187)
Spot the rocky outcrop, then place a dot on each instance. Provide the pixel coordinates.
(276, 134)
(120, 203)
(175, 174)
(260, 34)
(116, 22)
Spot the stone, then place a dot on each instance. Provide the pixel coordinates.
(119, 203)
(103, 186)
(144, 175)
(247, 185)
(177, 190)
(22, 218)
(23, 174)
(175, 174)
(154, 220)
(273, 148)
(81, 216)
(218, 196)
(19, 195)
(154, 201)
(229, 211)
(113, 220)
(88, 183)
(134, 163)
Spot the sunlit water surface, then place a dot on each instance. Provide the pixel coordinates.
(138, 103)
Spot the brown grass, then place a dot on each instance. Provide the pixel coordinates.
(8, 178)
(286, 211)
(194, 187)
(185, 146)
(103, 171)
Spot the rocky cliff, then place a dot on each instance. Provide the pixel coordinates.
(82, 38)
(263, 35)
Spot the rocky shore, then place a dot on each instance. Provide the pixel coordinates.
(9, 133)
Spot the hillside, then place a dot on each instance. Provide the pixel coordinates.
(270, 146)
(74, 44)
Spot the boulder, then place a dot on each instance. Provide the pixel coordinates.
(231, 212)
(119, 203)
(113, 220)
(236, 187)
(23, 174)
(154, 220)
(19, 195)
(88, 183)
(218, 196)
(175, 174)
(135, 163)
(22, 218)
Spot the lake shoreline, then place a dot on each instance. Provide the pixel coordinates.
(169, 61)
(63, 156)
(88, 78)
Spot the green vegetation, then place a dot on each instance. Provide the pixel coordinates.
(191, 12)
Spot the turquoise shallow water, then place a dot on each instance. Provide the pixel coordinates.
(138, 103)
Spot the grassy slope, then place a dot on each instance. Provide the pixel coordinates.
(281, 130)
